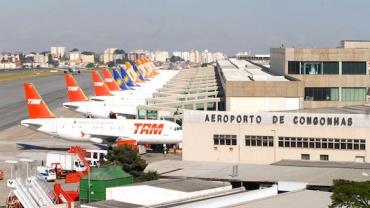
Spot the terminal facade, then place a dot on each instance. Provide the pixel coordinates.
(308, 104)
(269, 137)
(331, 77)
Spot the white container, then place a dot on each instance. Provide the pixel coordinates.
(67, 161)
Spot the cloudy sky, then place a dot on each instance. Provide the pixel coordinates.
(218, 25)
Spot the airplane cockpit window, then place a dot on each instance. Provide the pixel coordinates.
(178, 128)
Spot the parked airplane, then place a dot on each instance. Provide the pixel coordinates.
(145, 90)
(41, 119)
(80, 103)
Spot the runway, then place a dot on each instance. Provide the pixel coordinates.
(51, 88)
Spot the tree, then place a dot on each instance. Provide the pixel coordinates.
(110, 64)
(128, 158)
(175, 59)
(88, 53)
(119, 61)
(119, 51)
(149, 176)
(350, 194)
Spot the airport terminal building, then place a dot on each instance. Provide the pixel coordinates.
(268, 137)
(331, 77)
(310, 104)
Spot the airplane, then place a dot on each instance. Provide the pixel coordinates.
(79, 102)
(122, 82)
(145, 90)
(98, 131)
(108, 79)
(133, 74)
(128, 78)
(112, 82)
(144, 71)
(102, 89)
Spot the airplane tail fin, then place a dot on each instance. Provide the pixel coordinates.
(126, 78)
(117, 76)
(37, 108)
(130, 71)
(108, 79)
(140, 76)
(100, 88)
(74, 92)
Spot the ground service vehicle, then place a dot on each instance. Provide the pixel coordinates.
(45, 173)
(64, 161)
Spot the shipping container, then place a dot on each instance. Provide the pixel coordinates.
(100, 179)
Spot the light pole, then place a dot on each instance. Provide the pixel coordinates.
(14, 162)
(27, 161)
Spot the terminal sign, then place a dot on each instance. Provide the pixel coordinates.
(304, 119)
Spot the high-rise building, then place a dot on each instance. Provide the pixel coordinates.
(160, 56)
(74, 56)
(87, 58)
(58, 52)
(108, 55)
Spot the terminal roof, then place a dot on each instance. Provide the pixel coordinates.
(292, 199)
(184, 185)
(314, 176)
(242, 70)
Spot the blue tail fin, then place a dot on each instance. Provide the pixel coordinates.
(126, 78)
(119, 80)
(137, 71)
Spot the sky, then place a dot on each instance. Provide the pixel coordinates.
(228, 26)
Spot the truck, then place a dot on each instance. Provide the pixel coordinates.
(64, 162)
(45, 173)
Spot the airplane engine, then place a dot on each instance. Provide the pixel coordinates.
(96, 140)
(130, 142)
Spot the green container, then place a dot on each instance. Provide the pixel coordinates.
(100, 179)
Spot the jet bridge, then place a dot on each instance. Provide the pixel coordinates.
(193, 89)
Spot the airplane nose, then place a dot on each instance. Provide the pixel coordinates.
(29, 124)
(24, 124)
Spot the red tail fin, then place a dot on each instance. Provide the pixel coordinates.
(36, 106)
(100, 87)
(108, 79)
(74, 92)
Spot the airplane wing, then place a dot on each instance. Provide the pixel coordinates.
(106, 139)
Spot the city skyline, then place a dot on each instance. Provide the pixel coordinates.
(253, 26)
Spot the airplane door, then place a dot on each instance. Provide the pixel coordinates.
(54, 127)
(166, 132)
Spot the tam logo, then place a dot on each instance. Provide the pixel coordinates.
(98, 84)
(148, 128)
(34, 101)
(108, 80)
(72, 89)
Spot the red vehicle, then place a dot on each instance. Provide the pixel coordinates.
(1, 175)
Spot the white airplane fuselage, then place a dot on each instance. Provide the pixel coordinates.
(102, 109)
(99, 130)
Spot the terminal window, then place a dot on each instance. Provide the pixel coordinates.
(354, 94)
(305, 156)
(324, 157)
(321, 93)
(259, 141)
(322, 143)
(353, 67)
(313, 67)
(224, 139)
